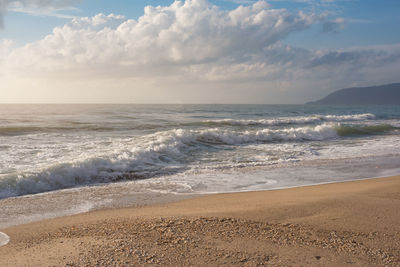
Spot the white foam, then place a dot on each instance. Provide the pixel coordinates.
(38, 207)
(4, 239)
(295, 120)
(220, 136)
(152, 155)
(305, 173)
(32, 211)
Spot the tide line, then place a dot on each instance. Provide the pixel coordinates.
(4, 239)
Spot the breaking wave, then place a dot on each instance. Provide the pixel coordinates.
(292, 120)
(73, 126)
(163, 153)
(345, 130)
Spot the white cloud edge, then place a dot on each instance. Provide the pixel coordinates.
(49, 8)
(274, 63)
(44, 12)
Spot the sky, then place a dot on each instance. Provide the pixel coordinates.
(194, 51)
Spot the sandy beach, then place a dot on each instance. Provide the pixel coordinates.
(340, 224)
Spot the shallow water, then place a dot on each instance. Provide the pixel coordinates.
(120, 151)
(4, 239)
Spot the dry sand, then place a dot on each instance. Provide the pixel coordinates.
(341, 224)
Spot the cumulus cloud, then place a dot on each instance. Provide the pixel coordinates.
(184, 33)
(192, 51)
(5, 46)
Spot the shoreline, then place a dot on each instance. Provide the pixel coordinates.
(360, 213)
(77, 200)
(4, 239)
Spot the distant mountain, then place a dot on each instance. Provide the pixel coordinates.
(388, 94)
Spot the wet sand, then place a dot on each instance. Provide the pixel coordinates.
(340, 224)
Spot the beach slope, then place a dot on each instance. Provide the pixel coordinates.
(341, 224)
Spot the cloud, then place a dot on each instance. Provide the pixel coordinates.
(42, 12)
(5, 47)
(190, 51)
(338, 24)
(241, 1)
(184, 33)
(36, 7)
(333, 26)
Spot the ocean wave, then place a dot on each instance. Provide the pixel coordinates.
(74, 126)
(24, 130)
(162, 153)
(17, 130)
(346, 130)
(292, 120)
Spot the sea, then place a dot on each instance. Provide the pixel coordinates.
(65, 159)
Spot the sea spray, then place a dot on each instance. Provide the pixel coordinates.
(292, 120)
(165, 153)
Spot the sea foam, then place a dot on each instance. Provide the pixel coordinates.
(293, 120)
(4, 239)
(161, 153)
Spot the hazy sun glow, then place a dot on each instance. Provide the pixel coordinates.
(190, 51)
